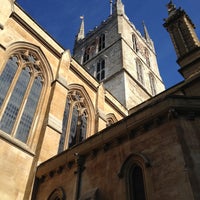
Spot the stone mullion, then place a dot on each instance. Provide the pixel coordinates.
(72, 104)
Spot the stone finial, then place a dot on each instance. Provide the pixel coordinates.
(146, 33)
(81, 33)
(111, 7)
(171, 7)
(119, 7)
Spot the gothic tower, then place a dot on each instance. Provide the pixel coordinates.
(117, 54)
(185, 40)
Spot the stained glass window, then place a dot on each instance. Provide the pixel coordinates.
(74, 128)
(7, 76)
(12, 109)
(64, 126)
(83, 127)
(23, 80)
(29, 111)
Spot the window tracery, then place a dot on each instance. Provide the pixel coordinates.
(75, 120)
(21, 84)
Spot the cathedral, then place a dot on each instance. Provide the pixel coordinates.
(97, 123)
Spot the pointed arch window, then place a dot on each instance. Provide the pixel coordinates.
(75, 121)
(57, 194)
(152, 84)
(21, 83)
(147, 57)
(134, 41)
(134, 173)
(139, 69)
(100, 73)
(74, 135)
(136, 183)
(101, 42)
(86, 55)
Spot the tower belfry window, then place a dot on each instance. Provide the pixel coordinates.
(100, 73)
(101, 42)
(134, 41)
(86, 55)
(21, 83)
(152, 84)
(147, 57)
(139, 69)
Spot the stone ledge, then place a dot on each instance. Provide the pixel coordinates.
(55, 123)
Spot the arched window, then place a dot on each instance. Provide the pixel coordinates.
(152, 84)
(75, 120)
(21, 84)
(134, 41)
(147, 57)
(136, 183)
(132, 171)
(139, 69)
(86, 55)
(100, 74)
(57, 194)
(101, 42)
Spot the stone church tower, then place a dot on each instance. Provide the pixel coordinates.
(64, 136)
(154, 153)
(116, 54)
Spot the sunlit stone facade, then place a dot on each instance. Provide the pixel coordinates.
(93, 125)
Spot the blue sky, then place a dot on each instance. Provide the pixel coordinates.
(61, 19)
